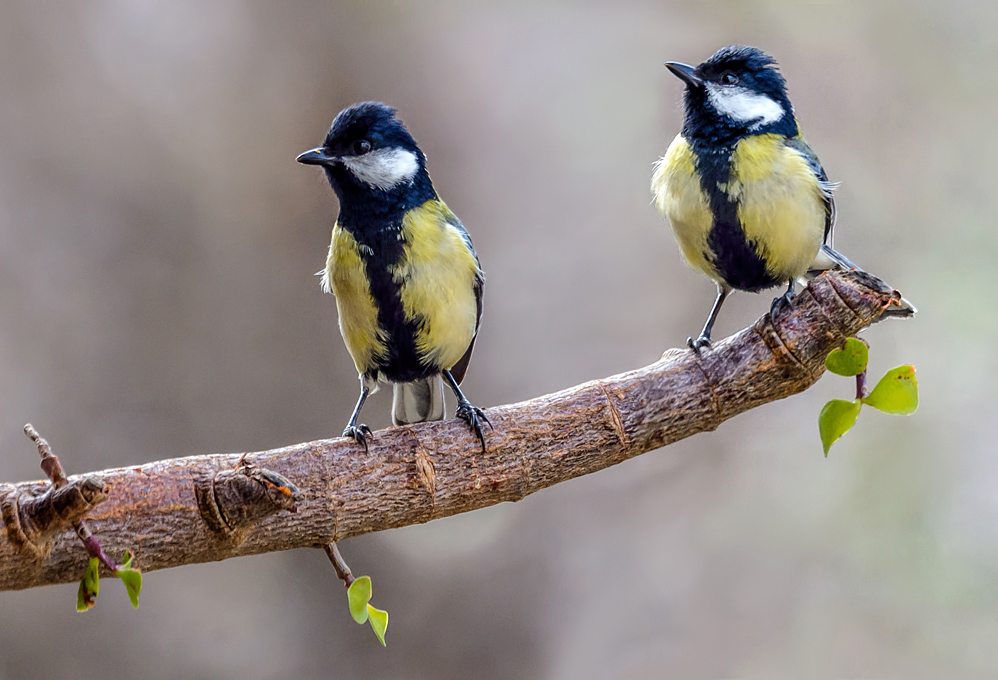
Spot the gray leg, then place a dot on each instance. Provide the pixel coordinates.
(704, 339)
(466, 412)
(359, 433)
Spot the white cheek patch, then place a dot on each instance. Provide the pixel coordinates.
(743, 105)
(384, 168)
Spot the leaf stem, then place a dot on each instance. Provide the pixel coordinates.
(339, 564)
(861, 385)
(92, 545)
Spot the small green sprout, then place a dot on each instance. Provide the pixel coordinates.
(896, 393)
(359, 597)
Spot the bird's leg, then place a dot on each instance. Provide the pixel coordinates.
(466, 412)
(783, 302)
(704, 339)
(359, 433)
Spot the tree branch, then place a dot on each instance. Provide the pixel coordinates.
(167, 512)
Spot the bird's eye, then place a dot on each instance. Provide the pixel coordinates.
(729, 79)
(361, 147)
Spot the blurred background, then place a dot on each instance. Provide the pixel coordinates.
(157, 299)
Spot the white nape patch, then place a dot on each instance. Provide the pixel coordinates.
(383, 168)
(744, 105)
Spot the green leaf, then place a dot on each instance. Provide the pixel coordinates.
(358, 595)
(84, 600)
(379, 622)
(132, 578)
(851, 360)
(86, 596)
(896, 393)
(133, 585)
(835, 419)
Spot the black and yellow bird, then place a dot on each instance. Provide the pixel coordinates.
(747, 198)
(407, 281)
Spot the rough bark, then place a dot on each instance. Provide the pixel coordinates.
(417, 473)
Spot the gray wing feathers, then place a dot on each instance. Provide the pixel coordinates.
(459, 369)
(827, 188)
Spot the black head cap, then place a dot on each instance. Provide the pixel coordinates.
(756, 70)
(737, 91)
(360, 129)
(368, 155)
(371, 121)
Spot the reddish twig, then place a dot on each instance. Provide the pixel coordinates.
(53, 469)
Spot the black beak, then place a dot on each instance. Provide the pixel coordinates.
(684, 72)
(318, 156)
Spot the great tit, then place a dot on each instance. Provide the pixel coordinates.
(407, 280)
(748, 201)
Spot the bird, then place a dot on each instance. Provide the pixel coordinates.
(407, 279)
(748, 200)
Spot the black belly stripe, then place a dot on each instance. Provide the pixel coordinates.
(731, 253)
(402, 362)
(381, 248)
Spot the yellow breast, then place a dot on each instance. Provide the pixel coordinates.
(676, 189)
(346, 278)
(780, 203)
(436, 279)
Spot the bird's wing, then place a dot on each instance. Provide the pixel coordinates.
(827, 188)
(458, 370)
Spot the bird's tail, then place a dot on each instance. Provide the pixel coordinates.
(418, 401)
(829, 258)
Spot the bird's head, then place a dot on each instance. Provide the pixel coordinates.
(368, 149)
(736, 92)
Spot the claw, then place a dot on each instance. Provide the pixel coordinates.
(474, 417)
(698, 344)
(358, 433)
(781, 304)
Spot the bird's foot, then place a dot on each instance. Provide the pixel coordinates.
(358, 433)
(698, 344)
(474, 416)
(781, 304)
